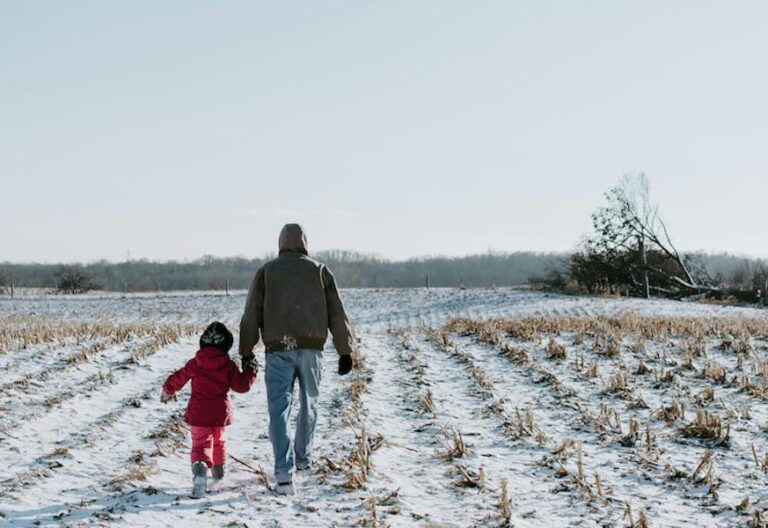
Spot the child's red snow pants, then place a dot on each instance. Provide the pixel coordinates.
(208, 445)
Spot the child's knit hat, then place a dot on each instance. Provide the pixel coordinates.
(217, 336)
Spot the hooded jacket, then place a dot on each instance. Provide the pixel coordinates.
(293, 302)
(213, 374)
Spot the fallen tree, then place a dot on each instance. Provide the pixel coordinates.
(631, 251)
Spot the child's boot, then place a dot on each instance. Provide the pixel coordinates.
(217, 472)
(199, 479)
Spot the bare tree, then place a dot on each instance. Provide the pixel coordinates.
(631, 237)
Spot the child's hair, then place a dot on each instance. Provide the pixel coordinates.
(217, 336)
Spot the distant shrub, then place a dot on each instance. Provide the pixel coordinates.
(72, 279)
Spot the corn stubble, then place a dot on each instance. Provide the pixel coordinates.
(686, 362)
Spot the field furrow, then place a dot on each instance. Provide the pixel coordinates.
(107, 423)
(609, 453)
(415, 464)
(509, 455)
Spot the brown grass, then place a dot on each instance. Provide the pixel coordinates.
(619, 384)
(18, 332)
(163, 336)
(705, 395)
(137, 473)
(606, 328)
(704, 467)
(748, 385)
(714, 371)
(672, 412)
(426, 403)
(456, 448)
(95, 338)
(58, 452)
(706, 425)
(504, 504)
(359, 462)
(555, 350)
(642, 518)
(468, 478)
(356, 390)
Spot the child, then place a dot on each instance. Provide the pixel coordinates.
(209, 409)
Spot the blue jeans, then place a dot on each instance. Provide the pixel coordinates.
(280, 374)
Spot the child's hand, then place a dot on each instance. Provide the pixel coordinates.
(165, 398)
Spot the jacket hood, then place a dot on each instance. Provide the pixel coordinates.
(218, 336)
(210, 358)
(293, 239)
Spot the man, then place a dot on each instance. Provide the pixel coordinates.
(292, 303)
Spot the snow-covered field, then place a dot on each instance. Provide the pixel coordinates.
(569, 412)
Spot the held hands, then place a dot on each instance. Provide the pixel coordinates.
(250, 363)
(345, 364)
(165, 398)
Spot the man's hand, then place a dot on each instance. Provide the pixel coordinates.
(250, 363)
(345, 364)
(165, 398)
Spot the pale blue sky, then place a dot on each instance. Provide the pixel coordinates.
(184, 128)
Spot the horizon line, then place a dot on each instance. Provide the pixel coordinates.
(369, 255)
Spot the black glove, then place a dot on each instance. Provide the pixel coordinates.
(165, 398)
(250, 363)
(345, 364)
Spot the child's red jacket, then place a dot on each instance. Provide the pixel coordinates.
(213, 374)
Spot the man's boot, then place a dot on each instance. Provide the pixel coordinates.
(285, 488)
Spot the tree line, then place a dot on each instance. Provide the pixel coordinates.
(630, 252)
(577, 271)
(352, 270)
